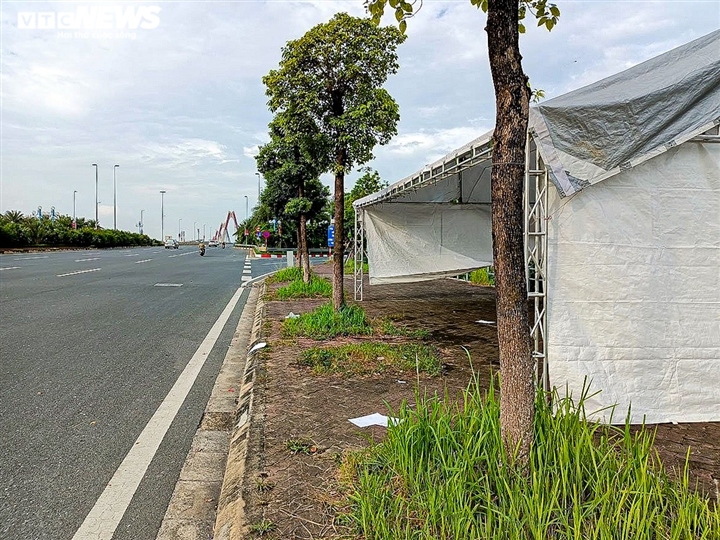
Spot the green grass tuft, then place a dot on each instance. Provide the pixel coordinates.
(317, 288)
(350, 266)
(387, 327)
(482, 276)
(440, 473)
(293, 273)
(324, 323)
(365, 358)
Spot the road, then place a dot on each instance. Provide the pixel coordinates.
(92, 343)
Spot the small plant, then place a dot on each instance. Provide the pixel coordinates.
(300, 446)
(387, 327)
(293, 273)
(483, 276)
(262, 527)
(263, 485)
(324, 322)
(350, 266)
(317, 288)
(365, 358)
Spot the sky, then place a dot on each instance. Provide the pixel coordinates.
(174, 95)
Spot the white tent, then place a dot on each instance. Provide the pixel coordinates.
(623, 241)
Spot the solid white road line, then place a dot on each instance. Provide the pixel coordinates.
(144, 260)
(85, 260)
(79, 272)
(30, 258)
(168, 285)
(103, 519)
(10, 268)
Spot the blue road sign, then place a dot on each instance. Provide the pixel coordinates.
(331, 236)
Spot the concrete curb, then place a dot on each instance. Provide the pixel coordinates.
(191, 513)
(230, 522)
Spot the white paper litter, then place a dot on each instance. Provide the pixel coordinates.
(257, 346)
(481, 321)
(291, 315)
(375, 419)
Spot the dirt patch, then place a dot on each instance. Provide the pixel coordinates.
(294, 495)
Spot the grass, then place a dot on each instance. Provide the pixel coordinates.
(350, 266)
(324, 323)
(299, 446)
(387, 327)
(317, 288)
(440, 474)
(482, 276)
(293, 273)
(262, 527)
(365, 358)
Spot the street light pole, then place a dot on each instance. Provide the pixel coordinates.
(141, 221)
(194, 230)
(204, 231)
(162, 215)
(259, 181)
(73, 223)
(179, 229)
(114, 199)
(97, 223)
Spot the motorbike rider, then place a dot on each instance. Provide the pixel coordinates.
(201, 246)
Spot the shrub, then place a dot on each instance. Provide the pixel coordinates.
(324, 323)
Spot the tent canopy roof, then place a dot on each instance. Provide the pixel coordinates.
(593, 133)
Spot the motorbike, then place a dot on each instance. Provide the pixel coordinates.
(202, 250)
(223, 245)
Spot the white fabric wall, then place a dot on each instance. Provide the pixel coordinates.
(417, 242)
(634, 288)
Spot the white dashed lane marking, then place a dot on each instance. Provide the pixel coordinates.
(168, 285)
(79, 272)
(10, 268)
(85, 260)
(144, 260)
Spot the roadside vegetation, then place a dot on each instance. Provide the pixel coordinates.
(369, 357)
(482, 276)
(441, 473)
(19, 231)
(325, 323)
(317, 287)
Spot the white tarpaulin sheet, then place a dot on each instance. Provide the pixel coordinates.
(422, 241)
(634, 288)
(598, 131)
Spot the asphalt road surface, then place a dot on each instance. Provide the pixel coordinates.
(91, 344)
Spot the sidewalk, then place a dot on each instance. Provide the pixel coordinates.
(290, 495)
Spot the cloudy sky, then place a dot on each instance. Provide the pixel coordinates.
(179, 104)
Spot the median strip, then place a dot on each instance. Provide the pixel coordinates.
(79, 272)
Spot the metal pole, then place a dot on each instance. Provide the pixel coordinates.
(141, 221)
(74, 192)
(204, 231)
(259, 181)
(162, 215)
(114, 199)
(97, 223)
(194, 222)
(179, 229)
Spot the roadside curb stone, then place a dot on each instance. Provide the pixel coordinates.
(195, 503)
(230, 522)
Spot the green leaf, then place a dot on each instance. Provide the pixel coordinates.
(394, 3)
(407, 8)
(399, 14)
(403, 26)
(521, 28)
(549, 24)
(555, 11)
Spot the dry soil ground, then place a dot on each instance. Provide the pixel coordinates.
(297, 492)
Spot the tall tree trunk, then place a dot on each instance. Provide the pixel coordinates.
(338, 248)
(512, 95)
(303, 251)
(298, 262)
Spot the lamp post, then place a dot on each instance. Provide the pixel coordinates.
(97, 223)
(259, 181)
(179, 230)
(114, 199)
(194, 230)
(141, 221)
(247, 217)
(74, 221)
(162, 215)
(204, 231)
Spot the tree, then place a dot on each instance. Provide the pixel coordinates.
(291, 165)
(331, 79)
(512, 97)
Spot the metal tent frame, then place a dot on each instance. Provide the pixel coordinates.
(535, 199)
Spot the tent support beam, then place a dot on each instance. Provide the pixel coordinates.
(359, 253)
(535, 198)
